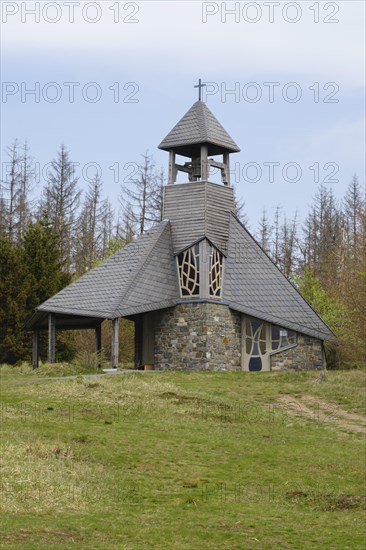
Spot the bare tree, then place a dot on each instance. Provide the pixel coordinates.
(10, 189)
(157, 195)
(326, 234)
(142, 202)
(86, 244)
(3, 214)
(352, 207)
(276, 242)
(265, 232)
(106, 226)
(138, 201)
(126, 225)
(288, 246)
(15, 190)
(26, 179)
(239, 208)
(61, 201)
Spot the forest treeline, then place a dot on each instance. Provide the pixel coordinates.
(50, 238)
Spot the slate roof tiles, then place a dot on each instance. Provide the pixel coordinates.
(254, 285)
(142, 277)
(198, 125)
(122, 283)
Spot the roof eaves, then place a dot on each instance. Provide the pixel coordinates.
(77, 311)
(315, 332)
(152, 306)
(198, 241)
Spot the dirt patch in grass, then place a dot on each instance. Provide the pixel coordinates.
(82, 439)
(55, 451)
(332, 408)
(348, 502)
(317, 410)
(42, 536)
(328, 502)
(186, 398)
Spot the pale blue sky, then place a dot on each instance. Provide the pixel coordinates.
(165, 52)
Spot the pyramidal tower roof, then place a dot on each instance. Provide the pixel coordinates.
(198, 125)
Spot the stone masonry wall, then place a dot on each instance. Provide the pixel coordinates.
(207, 336)
(307, 355)
(197, 336)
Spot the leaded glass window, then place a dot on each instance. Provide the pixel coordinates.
(282, 338)
(256, 344)
(189, 271)
(200, 270)
(261, 340)
(215, 272)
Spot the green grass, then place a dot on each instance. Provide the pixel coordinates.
(180, 461)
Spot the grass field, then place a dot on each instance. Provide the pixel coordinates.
(183, 461)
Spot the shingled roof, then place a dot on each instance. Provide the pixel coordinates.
(141, 277)
(254, 285)
(198, 125)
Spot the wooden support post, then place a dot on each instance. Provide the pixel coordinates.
(204, 163)
(98, 343)
(226, 172)
(51, 338)
(35, 354)
(148, 341)
(115, 342)
(138, 342)
(204, 253)
(172, 170)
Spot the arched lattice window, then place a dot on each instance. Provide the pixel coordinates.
(189, 271)
(215, 272)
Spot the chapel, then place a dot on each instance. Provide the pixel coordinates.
(202, 293)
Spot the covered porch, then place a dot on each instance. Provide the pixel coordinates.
(50, 322)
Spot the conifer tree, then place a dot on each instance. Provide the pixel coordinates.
(41, 259)
(13, 296)
(44, 276)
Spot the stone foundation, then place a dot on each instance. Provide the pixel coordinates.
(198, 336)
(306, 355)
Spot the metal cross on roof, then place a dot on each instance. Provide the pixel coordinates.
(199, 86)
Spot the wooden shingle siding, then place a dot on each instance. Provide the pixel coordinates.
(219, 205)
(197, 210)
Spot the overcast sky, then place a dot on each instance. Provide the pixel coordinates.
(296, 69)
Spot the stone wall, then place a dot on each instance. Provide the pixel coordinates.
(197, 336)
(207, 336)
(307, 355)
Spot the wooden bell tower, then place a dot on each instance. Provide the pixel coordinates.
(199, 136)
